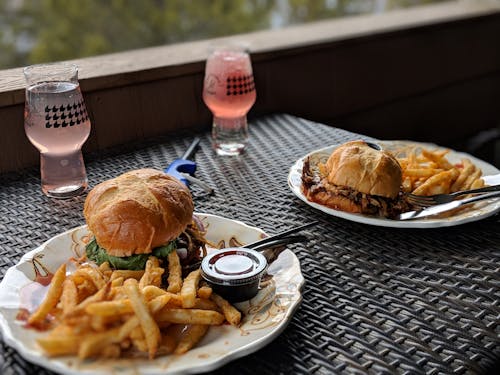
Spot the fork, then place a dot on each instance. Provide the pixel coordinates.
(431, 200)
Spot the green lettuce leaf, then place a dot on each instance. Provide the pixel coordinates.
(163, 251)
(134, 262)
(99, 255)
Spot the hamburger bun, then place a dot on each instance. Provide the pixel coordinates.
(358, 166)
(138, 211)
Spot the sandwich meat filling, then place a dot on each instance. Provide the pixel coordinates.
(319, 190)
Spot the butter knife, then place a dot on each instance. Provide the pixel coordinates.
(434, 210)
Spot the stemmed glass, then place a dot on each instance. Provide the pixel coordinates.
(57, 124)
(229, 92)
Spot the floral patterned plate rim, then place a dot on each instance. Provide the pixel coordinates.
(265, 316)
(478, 211)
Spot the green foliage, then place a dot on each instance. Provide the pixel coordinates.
(35, 31)
(66, 29)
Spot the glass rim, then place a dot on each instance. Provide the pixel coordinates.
(229, 45)
(52, 69)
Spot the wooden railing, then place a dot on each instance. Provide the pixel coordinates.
(429, 73)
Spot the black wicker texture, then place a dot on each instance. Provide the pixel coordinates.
(376, 300)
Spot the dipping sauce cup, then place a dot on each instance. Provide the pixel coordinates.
(234, 273)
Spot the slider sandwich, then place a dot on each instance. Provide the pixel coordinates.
(357, 178)
(141, 213)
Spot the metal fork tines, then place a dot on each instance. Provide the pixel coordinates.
(432, 200)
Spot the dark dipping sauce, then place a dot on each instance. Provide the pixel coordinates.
(234, 273)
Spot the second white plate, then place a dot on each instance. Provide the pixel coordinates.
(475, 212)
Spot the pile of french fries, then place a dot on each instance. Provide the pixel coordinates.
(100, 312)
(428, 172)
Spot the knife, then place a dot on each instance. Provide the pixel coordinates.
(434, 210)
(492, 180)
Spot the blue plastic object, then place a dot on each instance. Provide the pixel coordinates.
(179, 166)
(184, 165)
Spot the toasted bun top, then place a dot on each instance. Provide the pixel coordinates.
(357, 165)
(138, 211)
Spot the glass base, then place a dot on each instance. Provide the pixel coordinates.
(63, 176)
(229, 149)
(229, 135)
(65, 192)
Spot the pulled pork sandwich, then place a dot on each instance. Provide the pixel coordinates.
(356, 178)
(141, 213)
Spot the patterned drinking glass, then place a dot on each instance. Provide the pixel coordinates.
(229, 92)
(57, 124)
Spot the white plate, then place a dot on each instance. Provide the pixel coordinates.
(478, 211)
(265, 316)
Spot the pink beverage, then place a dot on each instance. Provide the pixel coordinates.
(57, 124)
(229, 92)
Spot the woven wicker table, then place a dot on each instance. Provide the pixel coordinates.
(376, 300)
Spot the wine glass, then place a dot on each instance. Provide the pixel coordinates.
(57, 124)
(229, 92)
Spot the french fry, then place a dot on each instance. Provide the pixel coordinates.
(137, 333)
(104, 268)
(477, 184)
(422, 172)
(109, 308)
(174, 273)
(190, 337)
(92, 274)
(188, 290)
(205, 304)
(111, 351)
(437, 158)
(204, 292)
(437, 184)
(80, 324)
(127, 274)
(57, 345)
(127, 328)
(156, 304)
(412, 159)
(100, 295)
(232, 315)
(152, 273)
(199, 303)
(140, 344)
(52, 297)
(69, 296)
(471, 179)
(467, 170)
(167, 345)
(152, 291)
(149, 326)
(189, 316)
(93, 344)
(63, 330)
(407, 185)
(85, 287)
(117, 281)
(101, 323)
